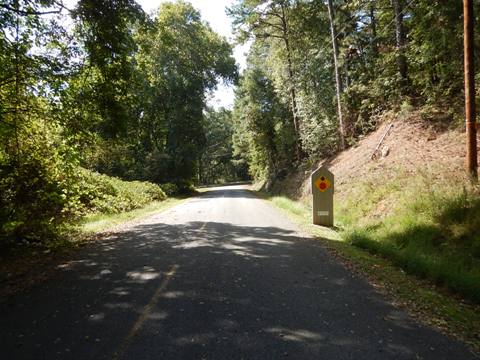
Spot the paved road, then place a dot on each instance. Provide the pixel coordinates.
(222, 276)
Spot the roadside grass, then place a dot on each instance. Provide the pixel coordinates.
(96, 223)
(427, 226)
(301, 213)
(416, 241)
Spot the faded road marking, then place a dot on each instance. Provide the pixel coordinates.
(145, 313)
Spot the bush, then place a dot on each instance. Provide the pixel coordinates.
(104, 194)
(179, 188)
(170, 189)
(42, 188)
(36, 179)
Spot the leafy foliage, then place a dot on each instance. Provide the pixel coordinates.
(105, 29)
(119, 92)
(263, 137)
(391, 52)
(217, 164)
(104, 194)
(191, 57)
(124, 93)
(36, 185)
(36, 159)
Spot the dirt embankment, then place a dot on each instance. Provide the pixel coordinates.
(410, 144)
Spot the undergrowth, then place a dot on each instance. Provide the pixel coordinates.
(109, 195)
(81, 194)
(427, 226)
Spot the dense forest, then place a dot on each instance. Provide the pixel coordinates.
(321, 73)
(104, 88)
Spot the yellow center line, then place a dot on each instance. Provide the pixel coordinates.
(145, 313)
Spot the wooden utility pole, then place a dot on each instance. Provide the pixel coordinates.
(338, 80)
(470, 114)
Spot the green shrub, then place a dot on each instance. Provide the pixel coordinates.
(36, 180)
(170, 189)
(104, 194)
(185, 187)
(43, 190)
(179, 188)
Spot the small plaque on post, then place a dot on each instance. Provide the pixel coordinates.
(322, 193)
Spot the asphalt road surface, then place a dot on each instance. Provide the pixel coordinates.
(221, 276)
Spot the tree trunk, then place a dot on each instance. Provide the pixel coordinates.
(200, 170)
(400, 41)
(338, 80)
(17, 83)
(347, 70)
(292, 89)
(373, 24)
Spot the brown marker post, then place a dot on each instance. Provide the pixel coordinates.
(322, 193)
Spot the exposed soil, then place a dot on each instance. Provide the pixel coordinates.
(412, 144)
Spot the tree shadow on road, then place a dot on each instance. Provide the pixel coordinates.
(210, 290)
(226, 193)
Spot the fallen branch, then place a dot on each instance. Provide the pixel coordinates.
(381, 141)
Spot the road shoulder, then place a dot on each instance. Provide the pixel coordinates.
(29, 267)
(424, 302)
